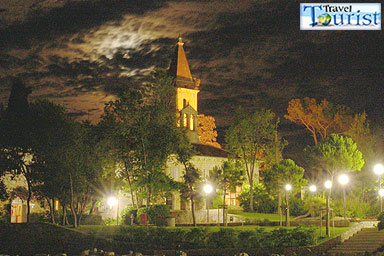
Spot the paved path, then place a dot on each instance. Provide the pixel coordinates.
(366, 240)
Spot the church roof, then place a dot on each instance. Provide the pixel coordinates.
(208, 150)
(179, 67)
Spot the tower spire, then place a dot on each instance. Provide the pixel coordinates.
(186, 92)
(179, 68)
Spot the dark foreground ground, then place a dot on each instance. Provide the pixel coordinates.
(32, 239)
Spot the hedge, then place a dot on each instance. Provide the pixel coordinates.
(172, 238)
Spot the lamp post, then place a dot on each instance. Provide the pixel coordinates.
(207, 189)
(381, 192)
(288, 188)
(328, 185)
(379, 170)
(343, 180)
(112, 201)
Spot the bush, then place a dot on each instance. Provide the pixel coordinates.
(380, 218)
(302, 236)
(217, 200)
(196, 238)
(126, 215)
(246, 239)
(354, 208)
(262, 201)
(296, 206)
(167, 238)
(314, 203)
(92, 220)
(40, 217)
(5, 213)
(225, 238)
(157, 214)
(109, 221)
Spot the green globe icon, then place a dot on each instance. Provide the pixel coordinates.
(324, 19)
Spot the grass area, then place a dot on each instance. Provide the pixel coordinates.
(108, 231)
(338, 231)
(99, 230)
(258, 216)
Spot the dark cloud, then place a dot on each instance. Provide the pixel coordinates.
(71, 18)
(247, 53)
(79, 114)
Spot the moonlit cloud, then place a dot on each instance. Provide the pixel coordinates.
(63, 68)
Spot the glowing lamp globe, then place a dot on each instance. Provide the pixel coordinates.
(112, 201)
(343, 179)
(312, 188)
(207, 188)
(328, 184)
(381, 192)
(378, 169)
(288, 187)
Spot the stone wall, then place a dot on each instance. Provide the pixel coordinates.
(185, 217)
(356, 227)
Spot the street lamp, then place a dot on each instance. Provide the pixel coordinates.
(328, 185)
(379, 170)
(343, 180)
(381, 192)
(313, 188)
(288, 188)
(207, 189)
(112, 201)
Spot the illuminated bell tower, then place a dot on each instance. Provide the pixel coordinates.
(186, 92)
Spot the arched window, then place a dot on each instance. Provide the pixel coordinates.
(185, 120)
(192, 123)
(178, 119)
(184, 103)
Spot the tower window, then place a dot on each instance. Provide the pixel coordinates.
(184, 103)
(192, 123)
(185, 120)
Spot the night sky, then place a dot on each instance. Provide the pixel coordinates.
(248, 53)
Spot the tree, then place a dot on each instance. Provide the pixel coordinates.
(206, 129)
(228, 176)
(333, 155)
(189, 188)
(336, 153)
(324, 118)
(142, 127)
(368, 142)
(82, 172)
(52, 135)
(117, 143)
(16, 152)
(3, 191)
(248, 138)
(282, 173)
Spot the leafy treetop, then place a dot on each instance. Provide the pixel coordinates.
(336, 153)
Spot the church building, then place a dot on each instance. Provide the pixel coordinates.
(207, 157)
